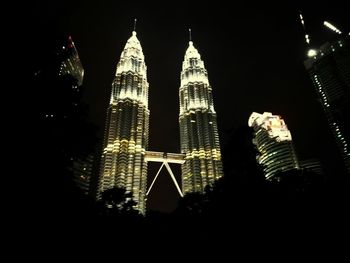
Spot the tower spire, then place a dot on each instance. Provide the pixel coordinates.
(135, 20)
(190, 34)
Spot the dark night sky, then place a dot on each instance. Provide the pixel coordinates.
(253, 53)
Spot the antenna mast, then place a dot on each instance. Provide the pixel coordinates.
(135, 20)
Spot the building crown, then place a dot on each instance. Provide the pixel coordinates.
(133, 48)
(192, 52)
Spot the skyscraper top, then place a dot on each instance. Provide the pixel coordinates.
(71, 64)
(274, 124)
(192, 52)
(133, 44)
(274, 143)
(193, 69)
(132, 58)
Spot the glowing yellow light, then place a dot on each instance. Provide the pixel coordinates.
(331, 27)
(311, 53)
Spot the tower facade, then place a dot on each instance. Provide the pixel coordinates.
(126, 132)
(329, 70)
(273, 141)
(198, 126)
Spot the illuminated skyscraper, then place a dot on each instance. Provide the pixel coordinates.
(273, 141)
(198, 126)
(126, 133)
(60, 59)
(329, 69)
(71, 64)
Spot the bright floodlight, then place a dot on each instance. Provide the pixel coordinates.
(311, 53)
(331, 27)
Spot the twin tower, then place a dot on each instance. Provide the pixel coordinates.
(125, 149)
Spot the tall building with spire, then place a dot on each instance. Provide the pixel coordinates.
(126, 132)
(273, 141)
(198, 126)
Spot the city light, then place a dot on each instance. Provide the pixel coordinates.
(332, 27)
(311, 53)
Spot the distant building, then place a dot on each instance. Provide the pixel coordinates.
(274, 143)
(58, 76)
(57, 80)
(312, 165)
(82, 169)
(329, 69)
(70, 61)
(198, 126)
(59, 58)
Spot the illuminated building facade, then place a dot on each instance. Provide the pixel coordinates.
(273, 141)
(198, 126)
(82, 169)
(329, 70)
(71, 64)
(60, 59)
(126, 132)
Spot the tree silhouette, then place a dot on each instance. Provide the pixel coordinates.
(117, 202)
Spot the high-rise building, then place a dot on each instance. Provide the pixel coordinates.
(274, 143)
(59, 58)
(126, 133)
(312, 165)
(62, 130)
(198, 126)
(82, 169)
(58, 75)
(329, 69)
(70, 61)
